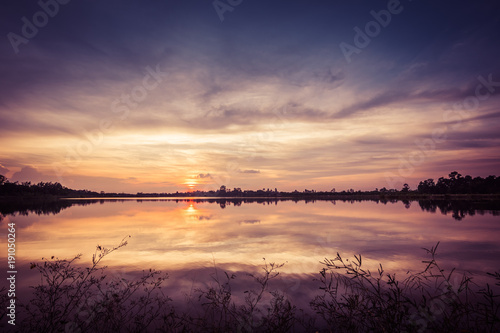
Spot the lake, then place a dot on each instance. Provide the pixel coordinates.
(193, 239)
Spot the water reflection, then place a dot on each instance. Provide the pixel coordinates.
(192, 231)
(459, 209)
(187, 237)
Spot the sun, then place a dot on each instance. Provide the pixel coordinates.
(190, 183)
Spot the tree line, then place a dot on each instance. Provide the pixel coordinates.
(28, 189)
(457, 184)
(454, 184)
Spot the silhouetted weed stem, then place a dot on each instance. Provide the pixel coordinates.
(351, 298)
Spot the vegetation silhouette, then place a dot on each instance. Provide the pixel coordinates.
(456, 194)
(457, 184)
(459, 209)
(348, 298)
(454, 184)
(47, 189)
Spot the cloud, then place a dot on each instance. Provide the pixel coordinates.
(29, 173)
(394, 96)
(225, 83)
(93, 183)
(204, 176)
(3, 170)
(491, 116)
(249, 221)
(330, 76)
(248, 171)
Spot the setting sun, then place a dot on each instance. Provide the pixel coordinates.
(190, 183)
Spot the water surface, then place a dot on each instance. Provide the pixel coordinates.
(189, 237)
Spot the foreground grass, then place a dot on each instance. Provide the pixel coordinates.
(349, 299)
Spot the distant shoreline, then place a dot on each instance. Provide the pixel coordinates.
(300, 196)
(456, 187)
(317, 196)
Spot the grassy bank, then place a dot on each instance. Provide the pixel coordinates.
(72, 298)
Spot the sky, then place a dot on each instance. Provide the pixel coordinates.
(165, 96)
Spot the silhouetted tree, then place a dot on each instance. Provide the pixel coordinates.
(26, 189)
(427, 186)
(457, 184)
